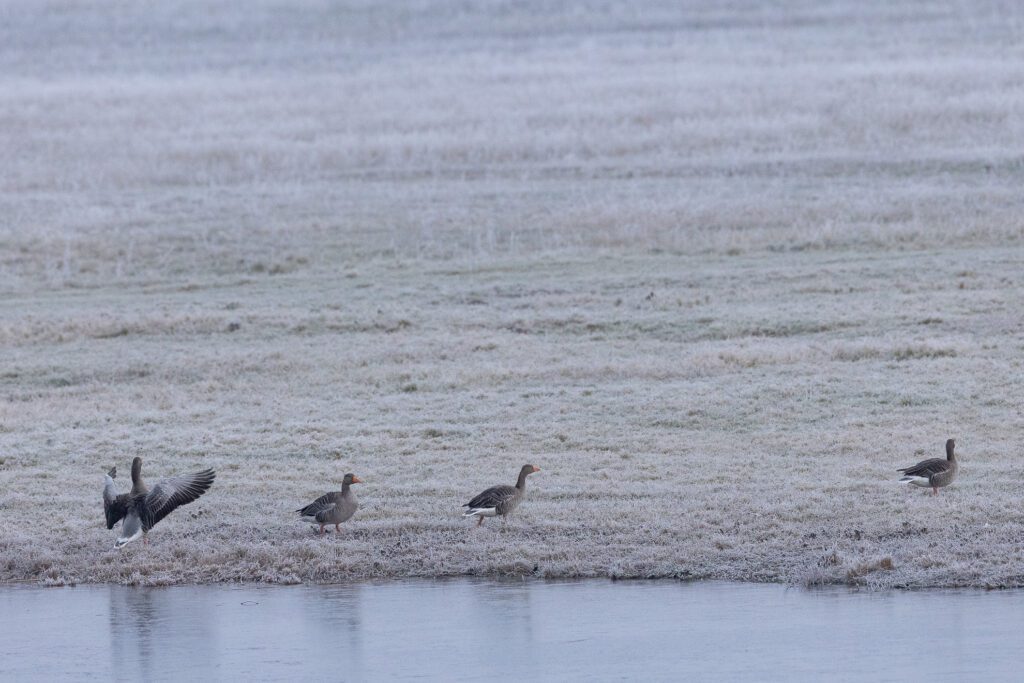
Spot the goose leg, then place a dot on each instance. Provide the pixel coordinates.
(145, 539)
(480, 521)
(321, 529)
(935, 490)
(337, 528)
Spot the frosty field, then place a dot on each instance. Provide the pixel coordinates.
(717, 270)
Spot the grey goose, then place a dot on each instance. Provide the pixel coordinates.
(934, 472)
(334, 507)
(498, 501)
(142, 507)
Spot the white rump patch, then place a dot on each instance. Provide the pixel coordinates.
(481, 512)
(125, 540)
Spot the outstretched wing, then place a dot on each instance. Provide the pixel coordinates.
(492, 497)
(325, 502)
(170, 493)
(115, 506)
(926, 468)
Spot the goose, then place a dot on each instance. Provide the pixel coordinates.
(499, 500)
(934, 472)
(142, 507)
(334, 507)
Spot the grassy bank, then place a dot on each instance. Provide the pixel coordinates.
(718, 271)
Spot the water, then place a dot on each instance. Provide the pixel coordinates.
(471, 630)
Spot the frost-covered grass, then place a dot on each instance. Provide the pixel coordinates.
(717, 270)
(738, 417)
(174, 140)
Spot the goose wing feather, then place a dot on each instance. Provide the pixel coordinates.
(927, 468)
(493, 497)
(172, 493)
(115, 505)
(322, 504)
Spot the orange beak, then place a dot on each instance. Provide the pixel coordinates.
(356, 480)
(536, 469)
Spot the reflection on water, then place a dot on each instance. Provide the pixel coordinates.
(469, 630)
(140, 621)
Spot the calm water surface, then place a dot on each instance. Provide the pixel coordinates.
(470, 630)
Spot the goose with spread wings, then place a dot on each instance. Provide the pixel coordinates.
(498, 501)
(142, 507)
